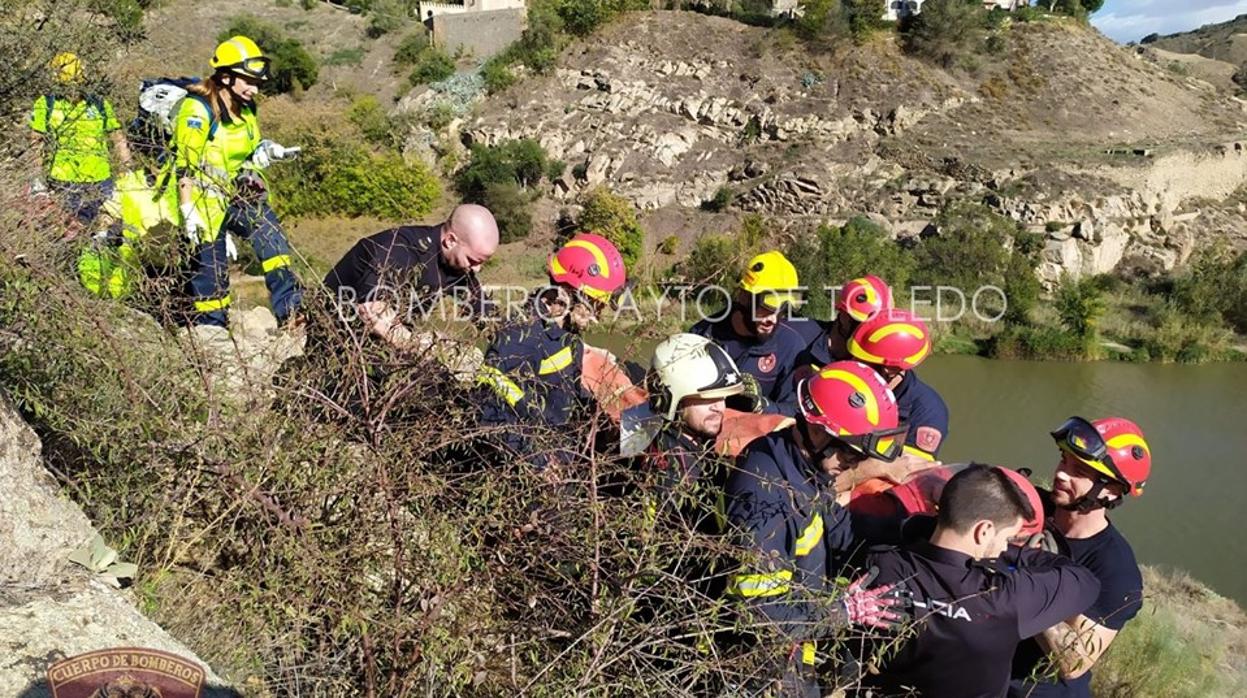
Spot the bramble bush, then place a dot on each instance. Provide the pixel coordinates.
(343, 526)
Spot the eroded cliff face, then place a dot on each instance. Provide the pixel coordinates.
(1115, 160)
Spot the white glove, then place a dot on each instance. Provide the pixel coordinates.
(268, 152)
(193, 224)
(38, 186)
(231, 248)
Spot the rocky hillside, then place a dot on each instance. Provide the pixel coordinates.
(1108, 154)
(1225, 41)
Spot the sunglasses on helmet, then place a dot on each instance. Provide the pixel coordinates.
(884, 444)
(1079, 437)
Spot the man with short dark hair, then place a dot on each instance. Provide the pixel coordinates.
(405, 270)
(1102, 463)
(971, 612)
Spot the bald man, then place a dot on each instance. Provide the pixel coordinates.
(402, 274)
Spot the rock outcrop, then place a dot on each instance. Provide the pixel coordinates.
(669, 108)
(51, 609)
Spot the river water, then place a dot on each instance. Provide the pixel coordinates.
(1194, 417)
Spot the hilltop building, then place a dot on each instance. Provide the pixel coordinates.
(896, 10)
(429, 10)
(481, 27)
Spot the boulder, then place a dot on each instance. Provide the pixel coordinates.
(51, 609)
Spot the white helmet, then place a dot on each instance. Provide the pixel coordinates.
(688, 365)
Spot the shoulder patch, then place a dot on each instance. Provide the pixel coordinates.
(195, 122)
(766, 364)
(928, 438)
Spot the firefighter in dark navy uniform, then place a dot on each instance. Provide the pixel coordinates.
(539, 370)
(781, 500)
(758, 333)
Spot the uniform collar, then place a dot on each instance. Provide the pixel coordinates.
(907, 382)
(942, 555)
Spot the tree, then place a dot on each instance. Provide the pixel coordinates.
(947, 31)
(1080, 304)
(834, 255)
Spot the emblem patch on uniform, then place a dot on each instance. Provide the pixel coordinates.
(194, 122)
(127, 671)
(766, 364)
(928, 438)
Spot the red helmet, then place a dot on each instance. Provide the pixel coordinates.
(895, 338)
(853, 404)
(591, 264)
(864, 297)
(1034, 523)
(1113, 447)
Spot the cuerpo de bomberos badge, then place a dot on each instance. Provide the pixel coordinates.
(126, 672)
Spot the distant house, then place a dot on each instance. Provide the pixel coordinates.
(896, 10)
(429, 10)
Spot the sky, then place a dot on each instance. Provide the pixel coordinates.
(1131, 20)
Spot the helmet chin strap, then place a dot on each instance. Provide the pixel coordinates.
(1091, 501)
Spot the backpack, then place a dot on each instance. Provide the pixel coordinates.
(49, 100)
(152, 127)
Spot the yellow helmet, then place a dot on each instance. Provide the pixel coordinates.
(771, 276)
(242, 56)
(67, 67)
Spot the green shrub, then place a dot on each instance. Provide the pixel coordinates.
(539, 45)
(346, 56)
(969, 250)
(411, 47)
(715, 260)
(1080, 305)
(1019, 342)
(368, 114)
(433, 65)
(511, 207)
(385, 16)
(497, 75)
(834, 255)
(521, 162)
(614, 218)
(1214, 287)
(829, 21)
(439, 115)
(337, 177)
(669, 245)
(720, 201)
(1021, 288)
(293, 68)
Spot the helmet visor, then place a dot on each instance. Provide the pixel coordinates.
(884, 444)
(255, 68)
(1080, 438)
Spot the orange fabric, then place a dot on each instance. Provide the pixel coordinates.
(739, 428)
(605, 379)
